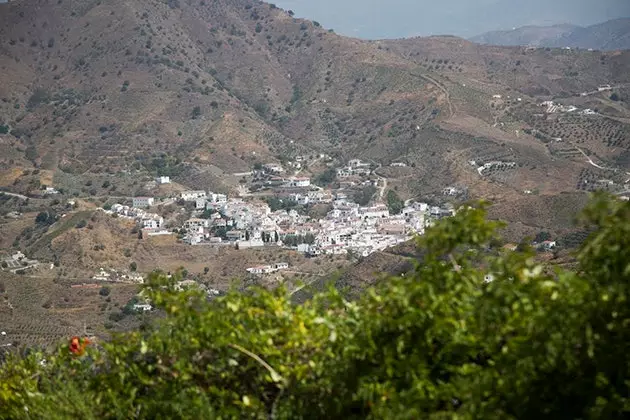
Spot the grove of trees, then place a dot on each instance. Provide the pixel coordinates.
(441, 342)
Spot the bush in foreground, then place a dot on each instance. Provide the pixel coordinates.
(439, 343)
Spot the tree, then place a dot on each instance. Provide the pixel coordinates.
(439, 342)
(542, 237)
(206, 270)
(105, 291)
(326, 178)
(364, 195)
(45, 218)
(615, 97)
(133, 266)
(394, 203)
(196, 112)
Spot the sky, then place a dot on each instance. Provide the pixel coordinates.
(377, 19)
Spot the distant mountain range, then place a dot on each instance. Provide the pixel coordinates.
(610, 35)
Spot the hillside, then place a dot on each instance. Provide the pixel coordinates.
(98, 88)
(97, 98)
(607, 36)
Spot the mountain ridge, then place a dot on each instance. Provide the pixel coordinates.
(610, 35)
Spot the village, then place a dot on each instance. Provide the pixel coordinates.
(270, 213)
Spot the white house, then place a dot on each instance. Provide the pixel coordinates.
(261, 269)
(273, 168)
(193, 224)
(298, 183)
(163, 180)
(200, 203)
(377, 211)
(398, 164)
(300, 199)
(152, 223)
(356, 163)
(50, 190)
(217, 198)
(344, 172)
(281, 266)
(143, 202)
(193, 195)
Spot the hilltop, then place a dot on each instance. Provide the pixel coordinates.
(607, 36)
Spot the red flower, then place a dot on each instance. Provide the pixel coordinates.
(77, 345)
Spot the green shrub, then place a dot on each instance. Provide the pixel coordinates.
(437, 343)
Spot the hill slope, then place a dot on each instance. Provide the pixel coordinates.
(607, 36)
(91, 88)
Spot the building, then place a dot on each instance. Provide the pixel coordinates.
(163, 180)
(193, 195)
(143, 202)
(152, 223)
(298, 183)
(344, 172)
(300, 199)
(195, 224)
(217, 198)
(200, 203)
(273, 168)
(356, 163)
(50, 190)
(261, 269)
(281, 266)
(235, 235)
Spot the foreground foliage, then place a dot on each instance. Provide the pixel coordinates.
(438, 343)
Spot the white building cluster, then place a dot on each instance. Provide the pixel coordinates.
(348, 227)
(145, 220)
(355, 167)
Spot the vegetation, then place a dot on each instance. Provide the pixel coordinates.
(295, 240)
(364, 195)
(326, 178)
(438, 343)
(276, 203)
(394, 203)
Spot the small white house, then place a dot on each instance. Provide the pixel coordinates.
(217, 198)
(194, 224)
(281, 266)
(143, 202)
(273, 168)
(298, 182)
(200, 203)
(153, 223)
(160, 180)
(193, 195)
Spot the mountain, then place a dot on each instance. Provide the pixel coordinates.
(607, 36)
(526, 35)
(93, 89)
(97, 98)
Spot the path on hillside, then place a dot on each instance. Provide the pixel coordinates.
(383, 187)
(440, 86)
(23, 197)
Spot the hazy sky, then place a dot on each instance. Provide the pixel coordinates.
(404, 18)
